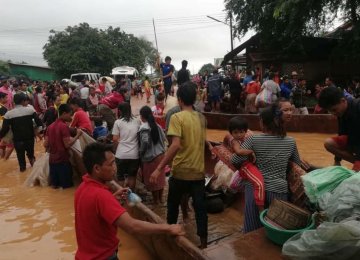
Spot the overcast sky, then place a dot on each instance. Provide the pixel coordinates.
(183, 30)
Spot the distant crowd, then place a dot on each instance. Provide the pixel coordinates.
(249, 91)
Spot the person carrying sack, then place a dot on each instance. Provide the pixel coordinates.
(269, 92)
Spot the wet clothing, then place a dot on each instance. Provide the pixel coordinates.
(22, 147)
(56, 133)
(196, 190)
(60, 175)
(96, 213)
(252, 220)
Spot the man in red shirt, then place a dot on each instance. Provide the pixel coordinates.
(110, 102)
(97, 212)
(57, 142)
(81, 119)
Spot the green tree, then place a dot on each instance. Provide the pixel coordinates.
(209, 67)
(4, 68)
(83, 48)
(281, 23)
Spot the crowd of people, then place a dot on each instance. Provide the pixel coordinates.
(61, 112)
(248, 91)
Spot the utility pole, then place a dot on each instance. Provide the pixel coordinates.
(231, 32)
(157, 48)
(231, 28)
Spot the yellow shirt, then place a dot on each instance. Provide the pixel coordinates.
(64, 98)
(188, 163)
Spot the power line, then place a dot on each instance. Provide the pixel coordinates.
(129, 22)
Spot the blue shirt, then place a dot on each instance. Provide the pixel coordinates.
(100, 131)
(166, 69)
(247, 80)
(285, 90)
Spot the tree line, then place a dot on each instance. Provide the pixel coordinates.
(82, 48)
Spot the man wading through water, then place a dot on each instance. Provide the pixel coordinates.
(187, 130)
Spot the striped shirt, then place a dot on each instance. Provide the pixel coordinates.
(272, 156)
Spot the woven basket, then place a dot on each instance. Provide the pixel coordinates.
(287, 215)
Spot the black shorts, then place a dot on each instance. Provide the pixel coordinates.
(126, 168)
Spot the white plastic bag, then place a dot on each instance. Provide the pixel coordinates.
(330, 241)
(344, 201)
(223, 175)
(40, 172)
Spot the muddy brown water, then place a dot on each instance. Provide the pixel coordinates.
(38, 223)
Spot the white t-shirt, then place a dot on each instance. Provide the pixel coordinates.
(128, 147)
(84, 93)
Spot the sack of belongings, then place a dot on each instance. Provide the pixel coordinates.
(40, 172)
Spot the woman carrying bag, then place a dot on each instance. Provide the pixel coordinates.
(152, 148)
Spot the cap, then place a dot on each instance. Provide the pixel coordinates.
(294, 73)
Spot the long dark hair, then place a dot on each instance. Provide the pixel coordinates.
(125, 110)
(272, 120)
(146, 114)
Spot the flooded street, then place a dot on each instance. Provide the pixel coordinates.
(38, 222)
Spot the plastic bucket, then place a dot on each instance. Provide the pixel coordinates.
(280, 236)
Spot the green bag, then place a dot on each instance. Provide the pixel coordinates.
(320, 181)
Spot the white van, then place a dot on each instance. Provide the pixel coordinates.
(119, 73)
(78, 77)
